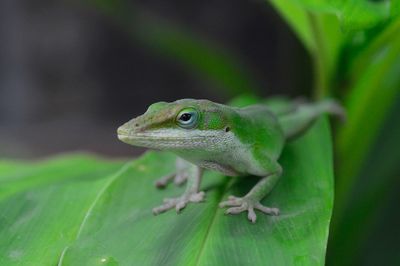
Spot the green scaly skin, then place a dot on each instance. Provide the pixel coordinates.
(234, 141)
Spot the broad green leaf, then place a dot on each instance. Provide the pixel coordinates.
(8, 166)
(85, 211)
(370, 196)
(41, 205)
(373, 82)
(367, 103)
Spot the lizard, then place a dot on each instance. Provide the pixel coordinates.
(235, 141)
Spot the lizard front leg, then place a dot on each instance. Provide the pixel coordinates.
(251, 200)
(192, 194)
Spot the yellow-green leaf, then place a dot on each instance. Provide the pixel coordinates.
(78, 210)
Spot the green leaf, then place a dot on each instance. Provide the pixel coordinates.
(78, 210)
(353, 14)
(395, 8)
(298, 19)
(368, 102)
(320, 32)
(41, 204)
(369, 199)
(324, 26)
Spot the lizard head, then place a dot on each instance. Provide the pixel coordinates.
(177, 126)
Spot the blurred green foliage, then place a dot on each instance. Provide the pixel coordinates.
(355, 47)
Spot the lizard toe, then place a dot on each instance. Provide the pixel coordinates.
(251, 215)
(197, 197)
(248, 204)
(267, 210)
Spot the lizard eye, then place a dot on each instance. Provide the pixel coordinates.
(187, 118)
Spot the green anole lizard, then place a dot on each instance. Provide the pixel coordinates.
(234, 141)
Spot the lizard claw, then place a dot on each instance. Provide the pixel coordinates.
(182, 173)
(179, 203)
(197, 197)
(163, 181)
(178, 180)
(239, 205)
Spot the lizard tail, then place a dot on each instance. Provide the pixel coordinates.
(296, 122)
(331, 107)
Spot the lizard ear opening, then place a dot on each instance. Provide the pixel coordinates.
(227, 129)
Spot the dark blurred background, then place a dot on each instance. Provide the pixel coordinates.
(70, 74)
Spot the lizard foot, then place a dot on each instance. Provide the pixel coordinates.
(248, 204)
(179, 203)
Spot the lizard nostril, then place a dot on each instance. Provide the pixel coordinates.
(136, 125)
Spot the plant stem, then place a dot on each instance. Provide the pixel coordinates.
(321, 70)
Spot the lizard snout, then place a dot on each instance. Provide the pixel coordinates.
(123, 133)
(129, 129)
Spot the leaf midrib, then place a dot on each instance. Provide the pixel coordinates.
(112, 179)
(219, 198)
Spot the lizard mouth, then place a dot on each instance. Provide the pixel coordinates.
(123, 138)
(149, 139)
(123, 134)
(152, 137)
(167, 139)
